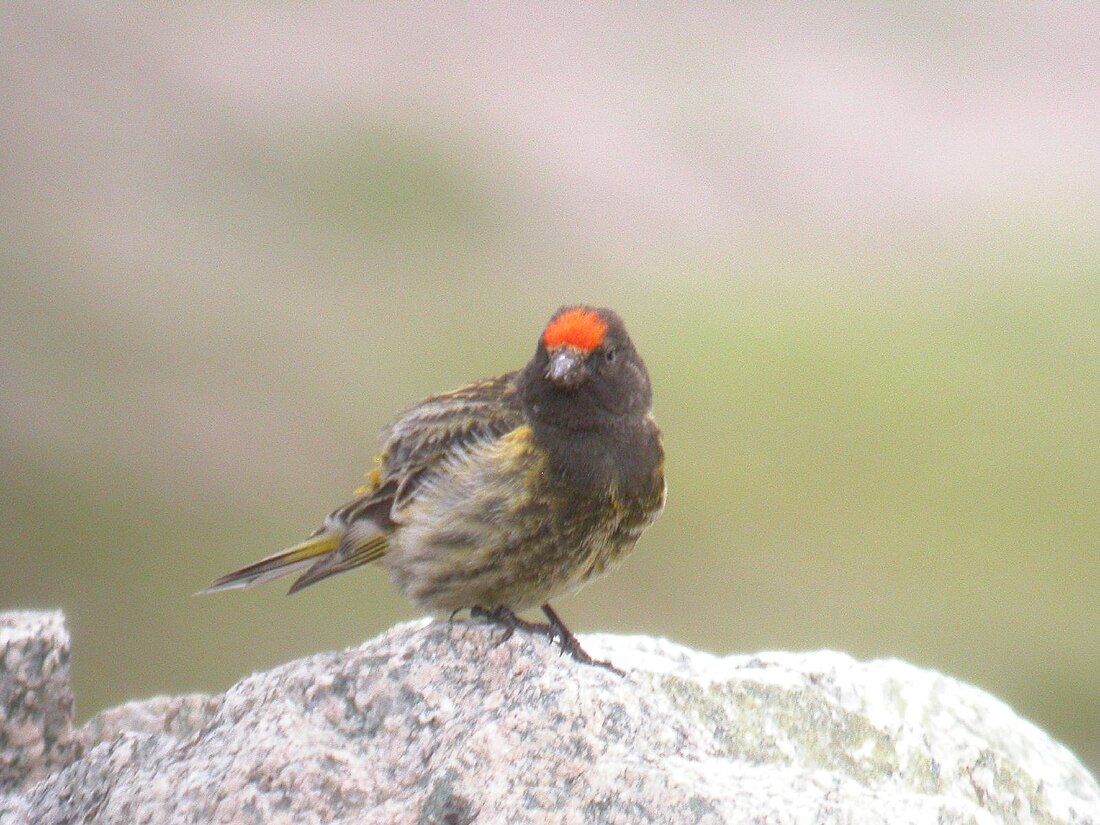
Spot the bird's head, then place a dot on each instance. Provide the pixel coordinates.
(586, 365)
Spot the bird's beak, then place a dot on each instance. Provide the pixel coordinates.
(567, 367)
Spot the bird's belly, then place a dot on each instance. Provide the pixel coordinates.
(493, 555)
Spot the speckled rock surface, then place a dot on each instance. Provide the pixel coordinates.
(435, 724)
(36, 702)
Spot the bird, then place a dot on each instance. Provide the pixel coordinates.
(505, 493)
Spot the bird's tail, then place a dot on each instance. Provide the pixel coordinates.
(354, 535)
(280, 564)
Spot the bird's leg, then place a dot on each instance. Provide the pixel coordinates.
(509, 620)
(451, 619)
(569, 643)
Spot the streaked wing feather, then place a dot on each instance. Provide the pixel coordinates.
(416, 444)
(442, 425)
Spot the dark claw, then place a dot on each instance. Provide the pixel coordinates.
(569, 643)
(508, 620)
(556, 629)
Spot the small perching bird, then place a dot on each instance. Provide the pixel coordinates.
(502, 494)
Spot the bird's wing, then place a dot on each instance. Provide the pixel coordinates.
(420, 442)
(423, 440)
(442, 428)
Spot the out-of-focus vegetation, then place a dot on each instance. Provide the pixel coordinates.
(883, 432)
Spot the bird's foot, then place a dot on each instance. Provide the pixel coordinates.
(504, 617)
(570, 644)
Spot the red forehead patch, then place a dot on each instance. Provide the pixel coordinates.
(580, 328)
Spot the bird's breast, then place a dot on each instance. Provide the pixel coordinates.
(624, 465)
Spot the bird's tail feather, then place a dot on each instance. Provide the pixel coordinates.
(280, 564)
(358, 547)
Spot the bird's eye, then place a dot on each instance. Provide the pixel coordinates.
(609, 354)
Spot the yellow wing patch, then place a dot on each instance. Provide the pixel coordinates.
(374, 478)
(517, 442)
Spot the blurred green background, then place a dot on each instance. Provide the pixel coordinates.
(858, 248)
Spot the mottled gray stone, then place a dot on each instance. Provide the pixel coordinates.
(436, 724)
(36, 702)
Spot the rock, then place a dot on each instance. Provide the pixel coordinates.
(437, 724)
(36, 702)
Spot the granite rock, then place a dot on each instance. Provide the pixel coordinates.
(440, 724)
(36, 701)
